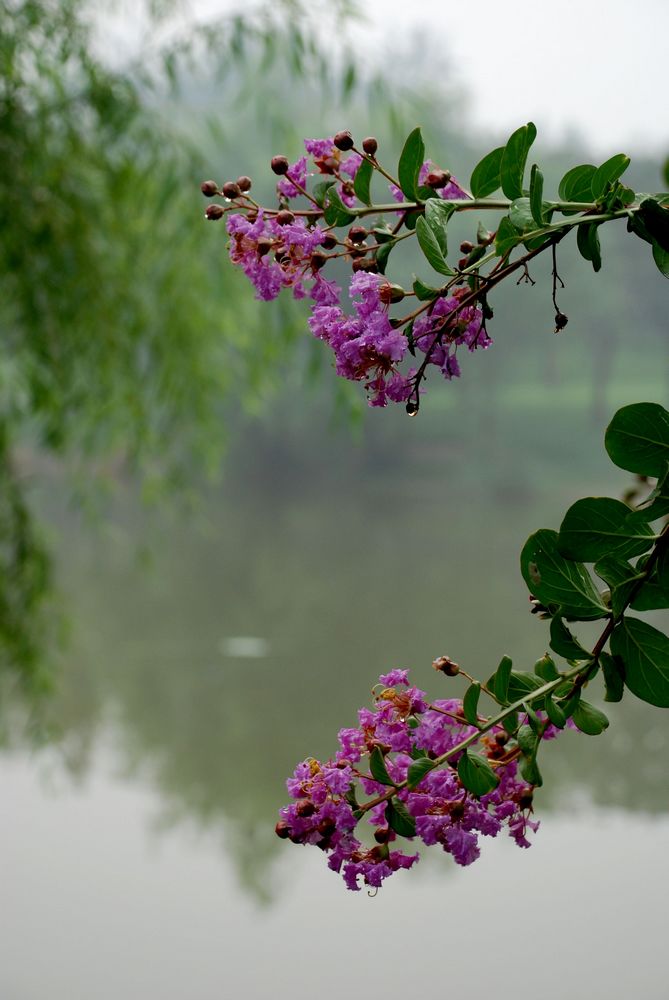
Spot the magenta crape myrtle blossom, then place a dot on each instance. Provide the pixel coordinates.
(449, 191)
(404, 727)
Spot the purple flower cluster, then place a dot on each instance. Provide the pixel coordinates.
(327, 160)
(403, 727)
(460, 325)
(450, 191)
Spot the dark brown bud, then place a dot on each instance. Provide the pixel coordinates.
(282, 829)
(446, 665)
(391, 293)
(209, 188)
(560, 321)
(370, 145)
(318, 260)
(457, 810)
(466, 247)
(526, 799)
(328, 165)
(382, 836)
(501, 739)
(264, 246)
(285, 217)
(231, 190)
(357, 234)
(329, 242)
(364, 264)
(244, 183)
(437, 178)
(251, 217)
(213, 212)
(280, 165)
(327, 826)
(462, 263)
(343, 140)
(305, 807)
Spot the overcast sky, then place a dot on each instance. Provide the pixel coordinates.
(597, 69)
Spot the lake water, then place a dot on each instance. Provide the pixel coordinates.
(137, 851)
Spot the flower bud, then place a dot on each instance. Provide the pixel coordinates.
(327, 826)
(285, 217)
(437, 178)
(244, 183)
(446, 665)
(501, 739)
(382, 836)
(560, 321)
(357, 234)
(343, 141)
(252, 217)
(209, 188)
(391, 293)
(370, 145)
(364, 264)
(318, 260)
(329, 242)
(282, 829)
(214, 212)
(328, 165)
(305, 807)
(280, 165)
(263, 246)
(457, 810)
(466, 247)
(231, 190)
(526, 799)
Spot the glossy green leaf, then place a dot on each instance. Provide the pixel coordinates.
(529, 770)
(661, 258)
(614, 677)
(437, 216)
(521, 216)
(424, 293)
(514, 158)
(587, 241)
(507, 236)
(418, 770)
(430, 246)
(400, 819)
(536, 195)
(555, 713)
(637, 439)
(320, 190)
(522, 684)
(608, 173)
(576, 185)
(597, 527)
(656, 220)
(501, 679)
(564, 644)
(470, 703)
(476, 774)
(555, 580)
(644, 651)
(362, 182)
(486, 177)
(621, 578)
(528, 741)
(378, 769)
(510, 722)
(411, 160)
(336, 213)
(383, 253)
(589, 719)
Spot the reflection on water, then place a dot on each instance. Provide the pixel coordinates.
(253, 635)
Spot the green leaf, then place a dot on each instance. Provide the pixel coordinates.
(476, 774)
(430, 247)
(608, 173)
(400, 819)
(576, 185)
(362, 182)
(637, 439)
(424, 293)
(336, 213)
(520, 213)
(486, 176)
(661, 258)
(411, 160)
(563, 642)
(507, 236)
(555, 580)
(437, 215)
(614, 677)
(621, 578)
(382, 234)
(529, 770)
(521, 684)
(418, 770)
(377, 766)
(320, 190)
(383, 253)
(545, 668)
(596, 527)
(589, 719)
(555, 713)
(644, 651)
(656, 220)
(510, 722)
(501, 679)
(536, 195)
(514, 158)
(528, 741)
(587, 241)
(470, 703)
